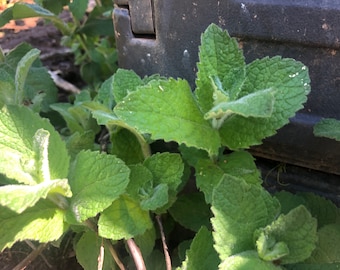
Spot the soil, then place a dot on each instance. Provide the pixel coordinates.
(46, 38)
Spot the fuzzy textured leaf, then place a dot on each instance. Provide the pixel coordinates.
(18, 126)
(43, 222)
(155, 109)
(123, 219)
(219, 57)
(245, 261)
(238, 164)
(20, 197)
(296, 231)
(96, 180)
(328, 245)
(191, 211)
(239, 209)
(201, 254)
(290, 81)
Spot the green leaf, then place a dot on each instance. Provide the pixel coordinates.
(88, 249)
(290, 81)
(124, 219)
(105, 94)
(125, 82)
(80, 141)
(259, 104)
(167, 110)
(78, 8)
(43, 222)
(25, 10)
(239, 209)
(36, 86)
(289, 201)
(201, 254)
(239, 164)
(157, 197)
(308, 266)
(245, 261)
(166, 168)
(18, 127)
(191, 211)
(112, 122)
(96, 180)
(328, 245)
(126, 146)
(322, 209)
(220, 60)
(20, 197)
(293, 236)
(21, 74)
(329, 128)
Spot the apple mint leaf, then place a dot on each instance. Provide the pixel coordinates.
(329, 128)
(113, 123)
(18, 143)
(96, 180)
(166, 168)
(290, 81)
(155, 198)
(125, 82)
(328, 246)
(167, 110)
(43, 222)
(293, 236)
(20, 197)
(21, 74)
(88, 249)
(325, 211)
(259, 104)
(80, 141)
(124, 219)
(191, 211)
(245, 261)
(105, 94)
(221, 65)
(238, 164)
(126, 146)
(316, 266)
(201, 254)
(25, 80)
(239, 209)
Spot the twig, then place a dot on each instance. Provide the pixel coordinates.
(30, 244)
(30, 258)
(101, 257)
(61, 83)
(165, 247)
(115, 255)
(136, 254)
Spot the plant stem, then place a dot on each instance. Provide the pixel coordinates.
(165, 247)
(30, 258)
(136, 254)
(2, 55)
(114, 255)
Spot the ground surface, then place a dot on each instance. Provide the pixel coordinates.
(46, 38)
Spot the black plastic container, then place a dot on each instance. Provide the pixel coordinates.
(158, 36)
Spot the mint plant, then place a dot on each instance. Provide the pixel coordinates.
(329, 128)
(118, 179)
(90, 35)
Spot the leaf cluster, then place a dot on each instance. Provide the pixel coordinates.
(89, 33)
(148, 151)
